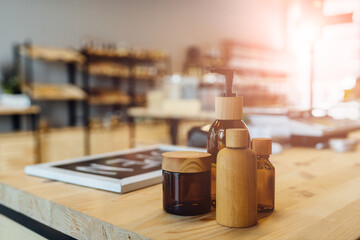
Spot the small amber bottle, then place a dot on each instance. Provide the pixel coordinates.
(186, 182)
(265, 174)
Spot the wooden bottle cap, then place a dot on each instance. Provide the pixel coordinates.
(237, 138)
(262, 146)
(186, 161)
(229, 108)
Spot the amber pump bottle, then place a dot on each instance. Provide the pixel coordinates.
(265, 174)
(228, 114)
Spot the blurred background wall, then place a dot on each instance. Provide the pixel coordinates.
(158, 24)
(162, 24)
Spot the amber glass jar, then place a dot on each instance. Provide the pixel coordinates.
(186, 183)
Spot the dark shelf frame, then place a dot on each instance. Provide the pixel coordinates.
(29, 80)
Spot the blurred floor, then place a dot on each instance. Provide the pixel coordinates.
(17, 149)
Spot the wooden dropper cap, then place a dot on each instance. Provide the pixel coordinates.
(186, 161)
(237, 138)
(262, 146)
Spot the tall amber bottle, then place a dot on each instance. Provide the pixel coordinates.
(265, 174)
(228, 114)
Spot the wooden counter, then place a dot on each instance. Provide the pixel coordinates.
(317, 197)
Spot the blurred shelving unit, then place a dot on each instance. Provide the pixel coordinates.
(262, 74)
(109, 65)
(120, 66)
(337, 52)
(68, 91)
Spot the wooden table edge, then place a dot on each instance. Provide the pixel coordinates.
(78, 225)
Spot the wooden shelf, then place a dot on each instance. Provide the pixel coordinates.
(19, 111)
(102, 101)
(152, 55)
(52, 54)
(55, 92)
(109, 70)
(118, 53)
(139, 100)
(122, 71)
(139, 55)
(108, 97)
(144, 72)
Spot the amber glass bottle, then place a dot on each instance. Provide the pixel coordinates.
(265, 175)
(216, 142)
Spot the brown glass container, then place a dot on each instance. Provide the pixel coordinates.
(216, 142)
(186, 183)
(265, 175)
(266, 184)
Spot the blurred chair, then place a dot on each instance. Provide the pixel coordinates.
(197, 137)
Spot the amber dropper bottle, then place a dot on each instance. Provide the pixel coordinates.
(228, 114)
(265, 174)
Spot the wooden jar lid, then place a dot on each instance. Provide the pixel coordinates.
(262, 146)
(237, 138)
(229, 108)
(186, 161)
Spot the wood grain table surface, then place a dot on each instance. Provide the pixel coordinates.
(317, 197)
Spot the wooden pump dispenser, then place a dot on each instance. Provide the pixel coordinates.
(236, 188)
